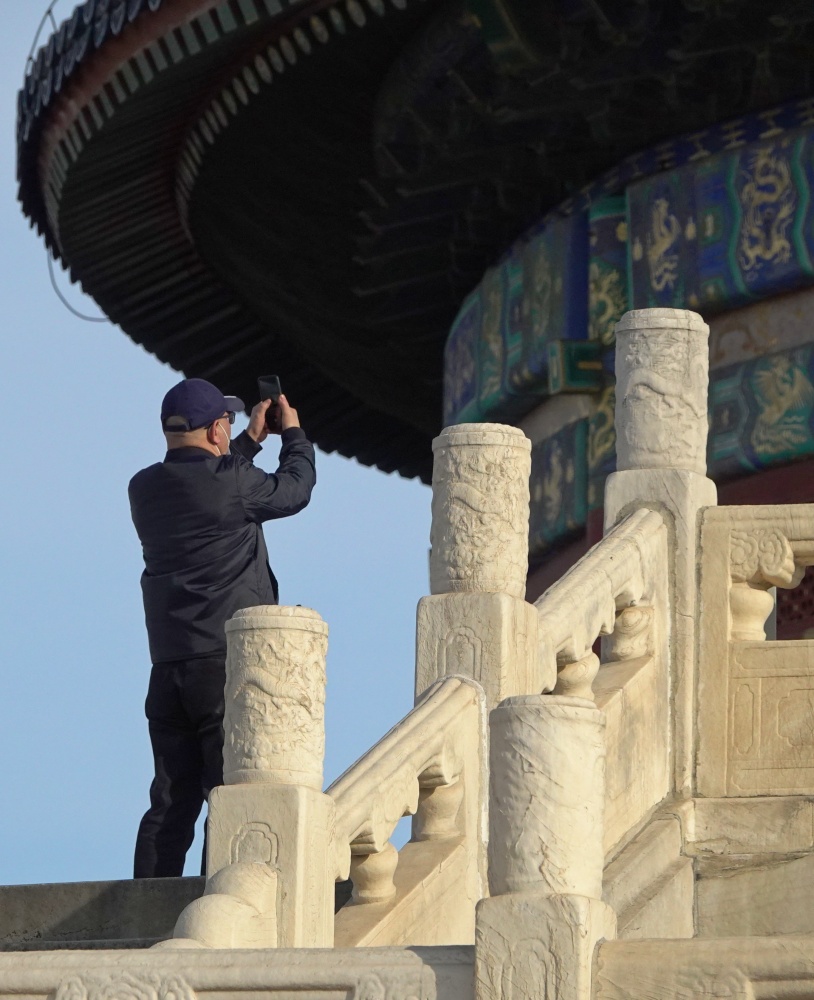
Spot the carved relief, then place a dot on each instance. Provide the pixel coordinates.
(770, 740)
(275, 696)
(763, 554)
(795, 718)
(480, 510)
(730, 984)
(254, 842)
(124, 986)
(399, 798)
(461, 653)
(744, 718)
(528, 970)
(661, 393)
(370, 987)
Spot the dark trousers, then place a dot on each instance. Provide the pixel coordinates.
(184, 710)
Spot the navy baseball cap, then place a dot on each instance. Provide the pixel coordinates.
(196, 403)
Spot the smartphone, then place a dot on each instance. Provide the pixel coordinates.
(269, 386)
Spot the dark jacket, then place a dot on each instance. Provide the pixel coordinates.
(199, 519)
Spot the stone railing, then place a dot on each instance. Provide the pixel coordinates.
(431, 766)
(662, 362)
(270, 876)
(618, 590)
(756, 697)
(574, 771)
(277, 843)
(614, 590)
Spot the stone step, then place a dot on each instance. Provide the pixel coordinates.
(135, 913)
(126, 914)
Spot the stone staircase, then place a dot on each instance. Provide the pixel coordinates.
(639, 824)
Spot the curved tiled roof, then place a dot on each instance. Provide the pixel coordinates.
(103, 116)
(312, 187)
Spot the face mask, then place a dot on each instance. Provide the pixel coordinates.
(222, 453)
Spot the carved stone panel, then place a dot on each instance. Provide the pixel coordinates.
(124, 986)
(756, 697)
(274, 724)
(480, 510)
(533, 947)
(662, 375)
(771, 718)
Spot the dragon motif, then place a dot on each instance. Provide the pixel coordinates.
(665, 231)
(608, 301)
(602, 432)
(768, 202)
(785, 395)
(491, 335)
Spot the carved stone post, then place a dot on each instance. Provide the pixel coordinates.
(547, 789)
(662, 375)
(480, 510)
(274, 724)
(271, 811)
(477, 622)
(537, 933)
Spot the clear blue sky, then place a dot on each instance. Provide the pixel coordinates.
(80, 416)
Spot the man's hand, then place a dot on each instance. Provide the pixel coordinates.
(257, 429)
(283, 417)
(287, 415)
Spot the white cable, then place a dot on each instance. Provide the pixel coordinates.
(65, 302)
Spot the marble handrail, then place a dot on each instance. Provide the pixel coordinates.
(430, 765)
(605, 593)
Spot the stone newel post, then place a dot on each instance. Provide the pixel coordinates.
(274, 725)
(480, 510)
(536, 934)
(662, 379)
(547, 780)
(477, 622)
(662, 376)
(271, 810)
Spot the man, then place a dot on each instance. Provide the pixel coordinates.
(198, 515)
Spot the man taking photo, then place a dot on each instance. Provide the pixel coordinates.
(199, 516)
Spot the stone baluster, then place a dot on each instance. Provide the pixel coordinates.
(575, 678)
(632, 636)
(271, 809)
(434, 799)
(760, 560)
(477, 623)
(536, 934)
(373, 875)
(662, 375)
